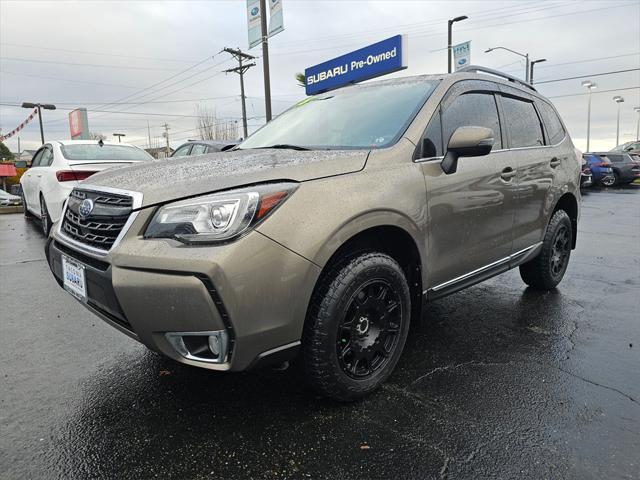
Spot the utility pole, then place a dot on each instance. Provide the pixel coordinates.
(240, 70)
(149, 133)
(19, 151)
(166, 136)
(265, 59)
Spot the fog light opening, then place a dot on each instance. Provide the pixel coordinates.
(210, 347)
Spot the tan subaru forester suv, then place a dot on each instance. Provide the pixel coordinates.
(322, 234)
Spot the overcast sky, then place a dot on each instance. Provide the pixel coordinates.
(89, 54)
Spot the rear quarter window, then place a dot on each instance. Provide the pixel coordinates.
(552, 122)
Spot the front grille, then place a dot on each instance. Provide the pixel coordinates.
(101, 227)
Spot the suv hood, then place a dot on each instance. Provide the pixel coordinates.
(175, 178)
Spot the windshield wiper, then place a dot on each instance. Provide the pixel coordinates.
(286, 146)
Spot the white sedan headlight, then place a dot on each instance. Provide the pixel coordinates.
(218, 217)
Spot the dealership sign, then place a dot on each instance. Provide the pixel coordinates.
(380, 58)
(462, 54)
(79, 124)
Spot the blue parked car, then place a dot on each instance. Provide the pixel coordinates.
(600, 169)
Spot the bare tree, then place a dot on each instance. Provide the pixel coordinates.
(210, 127)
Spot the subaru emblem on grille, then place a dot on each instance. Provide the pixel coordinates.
(86, 207)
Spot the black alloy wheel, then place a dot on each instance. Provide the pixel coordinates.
(369, 330)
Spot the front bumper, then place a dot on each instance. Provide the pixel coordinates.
(254, 289)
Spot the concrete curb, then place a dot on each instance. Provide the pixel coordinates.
(10, 210)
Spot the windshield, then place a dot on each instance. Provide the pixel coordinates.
(363, 116)
(89, 151)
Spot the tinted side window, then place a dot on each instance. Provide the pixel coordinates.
(47, 158)
(616, 158)
(182, 151)
(552, 122)
(198, 149)
(35, 161)
(432, 140)
(472, 109)
(524, 125)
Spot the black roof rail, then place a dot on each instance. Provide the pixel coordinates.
(490, 71)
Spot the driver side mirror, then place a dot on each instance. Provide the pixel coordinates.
(466, 142)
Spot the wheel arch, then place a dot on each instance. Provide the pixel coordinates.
(569, 204)
(397, 238)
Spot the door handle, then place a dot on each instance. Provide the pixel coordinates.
(554, 162)
(507, 174)
(39, 175)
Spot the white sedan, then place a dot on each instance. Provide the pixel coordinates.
(58, 166)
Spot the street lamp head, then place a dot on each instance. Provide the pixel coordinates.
(589, 84)
(48, 106)
(637, 109)
(539, 61)
(618, 99)
(29, 105)
(489, 50)
(458, 19)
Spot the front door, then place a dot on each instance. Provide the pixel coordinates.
(470, 211)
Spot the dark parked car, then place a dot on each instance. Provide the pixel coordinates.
(601, 171)
(586, 177)
(629, 147)
(625, 168)
(200, 147)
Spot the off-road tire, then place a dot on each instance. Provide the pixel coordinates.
(539, 273)
(329, 306)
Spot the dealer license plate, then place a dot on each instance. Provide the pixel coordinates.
(74, 279)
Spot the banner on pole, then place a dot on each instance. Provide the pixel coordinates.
(19, 127)
(253, 22)
(276, 21)
(462, 54)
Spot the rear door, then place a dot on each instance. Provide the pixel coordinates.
(470, 211)
(539, 162)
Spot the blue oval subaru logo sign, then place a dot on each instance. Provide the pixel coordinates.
(254, 11)
(462, 61)
(86, 207)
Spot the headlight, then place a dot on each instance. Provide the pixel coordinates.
(218, 217)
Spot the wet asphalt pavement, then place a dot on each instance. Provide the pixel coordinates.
(498, 381)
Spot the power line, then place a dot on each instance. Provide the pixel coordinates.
(101, 54)
(590, 75)
(66, 79)
(96, 65)
(596, 92)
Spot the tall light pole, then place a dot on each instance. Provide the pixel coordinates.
(39, 106)
(531, 68)
(523, 55)
(119, 135)
(618, 99)
(590, 86)
(637, 109)
(450, 39)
